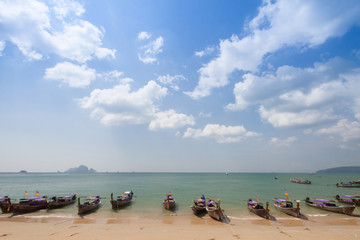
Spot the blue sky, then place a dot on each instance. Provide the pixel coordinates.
(198, 86)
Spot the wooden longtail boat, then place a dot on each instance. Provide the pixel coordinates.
(354, 184)
(5, 204)
(122, 200)
(348, 199)
(300, 181)
(287, 207)
(329, 205)
(258, 208)
(58, 202)
(214, 210)
(199, 205)
(27, 205)
(90, 204)
(169, 202)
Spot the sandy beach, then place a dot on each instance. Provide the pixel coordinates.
(173, 226)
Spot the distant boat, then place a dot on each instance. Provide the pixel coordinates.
(355, 184)
(300, 181)
(90, 204)
(169, 202)
(329, 205)
(27, 205)
(122, 200)
(58, 202)
(199, 205)
(214, 210)
(276, 178)
(287, 207)
(349, 199)
(258, 208)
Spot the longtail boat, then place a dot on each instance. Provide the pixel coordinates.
(27, 205)
(348, 199)
(58, 202)
(90, 204)
(214, 210)
(355, 184)
(169, 202)
(300, 181)
(258, 208)
(287, 207)
(199, 205)
(5, 204)
(122, 200)
(329, 205)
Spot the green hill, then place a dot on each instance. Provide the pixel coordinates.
(351, 169)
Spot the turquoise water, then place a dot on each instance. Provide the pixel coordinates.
(149, 189)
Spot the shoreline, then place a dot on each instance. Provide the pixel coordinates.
(177, 226)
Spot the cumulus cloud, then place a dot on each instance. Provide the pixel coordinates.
(27, 25)
(221, 133)
(64, 8)
(280, 24)
(73, 75)
(294, 96)
(283, 142)
(120, 105)
(171, 120)
(150, 50)
(347, 130)
(171, 81)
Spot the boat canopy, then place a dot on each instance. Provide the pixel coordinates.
(321, 200)
(347, 196)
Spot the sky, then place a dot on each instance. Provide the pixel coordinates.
(179, 86)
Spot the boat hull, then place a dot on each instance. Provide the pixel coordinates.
(295, 212)
(118, 204)
(87, 208)
(169, 205)
(215, 213)
(22, 208)
(60, 204)
(264, 213)
(348, 210)
(198, 209)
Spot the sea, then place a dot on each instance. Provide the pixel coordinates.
(232, 189)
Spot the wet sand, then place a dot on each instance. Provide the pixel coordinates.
(174, 226)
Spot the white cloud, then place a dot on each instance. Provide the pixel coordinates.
(344, 128)
(113, 75)
(63, 8)
(294, 96)
(119, 106)
(288, 119)
(170, 119)
(71, 74)
(171, 81)
(205, 52)
(151, 50)
(283, 142)
(27, 24)
(2, 47)
(277, 25)
(144, 35)
(221, 133)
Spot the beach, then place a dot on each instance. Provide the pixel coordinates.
(174, 226)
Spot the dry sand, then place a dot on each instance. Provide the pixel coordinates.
(178, 227)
